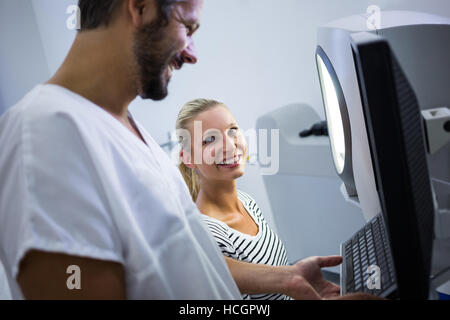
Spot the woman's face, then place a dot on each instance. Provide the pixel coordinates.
(218, 147)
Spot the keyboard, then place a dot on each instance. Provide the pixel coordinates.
(368, 247)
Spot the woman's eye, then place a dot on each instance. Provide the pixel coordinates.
(233, 131)
(209, 140)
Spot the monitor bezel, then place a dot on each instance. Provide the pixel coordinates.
(374, 63)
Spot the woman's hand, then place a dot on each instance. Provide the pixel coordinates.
(309, 270)
(301, 281)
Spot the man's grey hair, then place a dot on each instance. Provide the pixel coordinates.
(98, 13)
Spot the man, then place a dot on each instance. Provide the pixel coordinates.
(90, 206)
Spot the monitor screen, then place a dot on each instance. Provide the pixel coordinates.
(333, 114)
(337, 120)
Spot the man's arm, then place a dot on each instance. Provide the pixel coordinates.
(43, 275)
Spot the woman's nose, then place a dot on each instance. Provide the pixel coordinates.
(230, 146)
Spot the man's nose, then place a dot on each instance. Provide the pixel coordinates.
(189, 55)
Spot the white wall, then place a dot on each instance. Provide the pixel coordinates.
(51, 18)
(254, 55)
(22, 60)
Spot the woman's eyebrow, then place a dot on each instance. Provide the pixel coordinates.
(210, 132)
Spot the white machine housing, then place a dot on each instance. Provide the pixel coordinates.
(306, 195)
(420, 43)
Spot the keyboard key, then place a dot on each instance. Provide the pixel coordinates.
(349, 270)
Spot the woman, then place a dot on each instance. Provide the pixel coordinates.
(210, 164)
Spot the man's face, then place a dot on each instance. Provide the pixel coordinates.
(159, 49)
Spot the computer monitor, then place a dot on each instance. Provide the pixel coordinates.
(396, 139)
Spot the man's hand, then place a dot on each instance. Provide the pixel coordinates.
(310, 270)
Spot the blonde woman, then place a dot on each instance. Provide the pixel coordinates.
(210, 164)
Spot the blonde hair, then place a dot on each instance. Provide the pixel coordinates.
(187, 113)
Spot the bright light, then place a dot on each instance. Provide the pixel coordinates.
(333, 113)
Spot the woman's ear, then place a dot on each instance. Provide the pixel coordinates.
(186, 159)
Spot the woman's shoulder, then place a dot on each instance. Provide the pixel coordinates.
(213, 222)
(250, 204)
(221, 232)
(244, 196)
(248, 201)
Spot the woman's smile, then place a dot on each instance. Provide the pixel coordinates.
(230, 164)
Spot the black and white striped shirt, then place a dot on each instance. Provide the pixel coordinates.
(263, 248)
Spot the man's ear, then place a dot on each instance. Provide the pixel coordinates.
(142, 11)
(186, 159)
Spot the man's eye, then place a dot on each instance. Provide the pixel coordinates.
(209, 140)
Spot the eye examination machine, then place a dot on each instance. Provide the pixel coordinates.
(385, 206)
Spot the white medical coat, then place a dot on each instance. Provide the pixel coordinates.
(74, 180)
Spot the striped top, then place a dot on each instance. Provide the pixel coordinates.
(263, 248)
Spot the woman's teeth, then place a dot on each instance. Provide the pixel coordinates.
(231, 161)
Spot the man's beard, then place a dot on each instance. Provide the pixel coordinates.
(153, 56)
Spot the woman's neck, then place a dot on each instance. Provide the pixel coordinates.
(218, 199)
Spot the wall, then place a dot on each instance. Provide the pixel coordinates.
(51, 17)
(23, 63)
